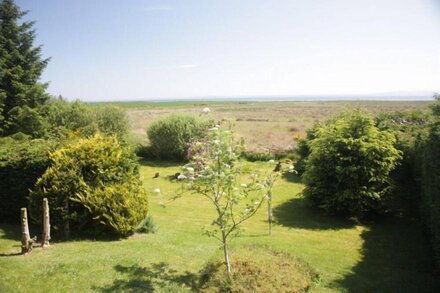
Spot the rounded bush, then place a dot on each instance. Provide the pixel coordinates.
(259, 269)
(92, 185)
(170, 136)
(348, 169)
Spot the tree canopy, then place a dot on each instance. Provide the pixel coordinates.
(348, 169)
(21, 66)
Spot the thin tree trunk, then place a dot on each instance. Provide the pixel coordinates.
(25, 238)
(46, 224)
(269, 212)
(225, 251)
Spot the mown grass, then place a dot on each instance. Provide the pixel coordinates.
(387, 255)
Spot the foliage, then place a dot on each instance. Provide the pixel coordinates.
(214, 172)
(21, 66)
(147, 225)
(170, 136)
(348, 169)
(303, 148)
(92, 183)
(409, 128)
(28, 121)
(271, 271)
(253, 156)
(112, 120)
(63, 117)
(430, 179)
(22, 161)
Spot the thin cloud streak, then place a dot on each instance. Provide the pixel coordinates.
(180, 66)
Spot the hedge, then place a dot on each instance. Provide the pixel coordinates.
(21, 163)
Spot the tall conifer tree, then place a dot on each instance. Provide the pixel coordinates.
(21, 65)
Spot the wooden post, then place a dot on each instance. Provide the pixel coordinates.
(46, 224)
(25, 238)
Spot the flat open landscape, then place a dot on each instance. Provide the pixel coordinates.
(387, 254)
(265, 126)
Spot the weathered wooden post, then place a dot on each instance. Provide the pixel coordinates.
(46, 224)
(26, 246)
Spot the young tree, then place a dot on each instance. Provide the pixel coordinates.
(270, 181)
(21, 65)
(215, 172)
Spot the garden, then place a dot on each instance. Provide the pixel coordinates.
(196, 202)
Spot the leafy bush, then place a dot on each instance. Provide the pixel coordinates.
(22, 161)
(348, 169)
(430, 183)
(169, 137)
(408, 127)
(92, 183)
(112, 120)
(63, 117)
(303, 149)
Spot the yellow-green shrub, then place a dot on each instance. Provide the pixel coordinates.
(92, 183)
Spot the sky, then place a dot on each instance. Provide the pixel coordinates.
(138, 50)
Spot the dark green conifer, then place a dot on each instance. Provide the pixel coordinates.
(21, 66)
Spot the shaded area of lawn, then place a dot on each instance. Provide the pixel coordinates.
(296, 213)
(10, 231)
(148, 279)
(395, 258)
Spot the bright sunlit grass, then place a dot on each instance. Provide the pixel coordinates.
(348, 256)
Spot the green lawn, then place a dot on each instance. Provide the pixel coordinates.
(388, 255)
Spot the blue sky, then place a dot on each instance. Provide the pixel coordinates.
(133, 49)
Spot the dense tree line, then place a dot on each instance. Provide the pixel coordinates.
(429, 166)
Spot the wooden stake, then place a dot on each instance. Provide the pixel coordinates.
(26, 246)
(46, 224)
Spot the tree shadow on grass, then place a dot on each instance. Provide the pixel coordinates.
(13, 232)
(292, 177)
(296, 213)
(395, 258)
(10, 231)
(156, 277)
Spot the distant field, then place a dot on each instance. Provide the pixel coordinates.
(264, 125)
